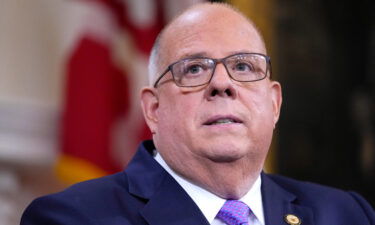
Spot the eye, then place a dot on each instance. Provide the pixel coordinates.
(243, 67)
(193, 69)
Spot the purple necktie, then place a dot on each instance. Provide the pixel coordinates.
(234, 212)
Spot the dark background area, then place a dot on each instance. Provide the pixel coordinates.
(325, 56)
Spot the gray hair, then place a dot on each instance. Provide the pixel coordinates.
(154, 61)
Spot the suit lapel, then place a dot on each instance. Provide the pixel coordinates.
(172, 205)
(166, 201)
(277, 203)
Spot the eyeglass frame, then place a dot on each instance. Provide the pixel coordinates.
(217, 61)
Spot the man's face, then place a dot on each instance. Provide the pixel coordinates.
(223, 121)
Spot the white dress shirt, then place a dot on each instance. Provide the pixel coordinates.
(210, 204)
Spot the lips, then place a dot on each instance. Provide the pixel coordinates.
(218, 120)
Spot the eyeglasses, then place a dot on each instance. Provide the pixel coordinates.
(197, 71)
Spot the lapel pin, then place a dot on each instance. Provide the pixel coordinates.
(292, 219)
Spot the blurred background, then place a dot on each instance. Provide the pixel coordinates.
(70, 72)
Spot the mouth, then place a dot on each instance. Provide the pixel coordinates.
(219, 120)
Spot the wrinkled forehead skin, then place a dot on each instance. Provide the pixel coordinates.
(202, 24)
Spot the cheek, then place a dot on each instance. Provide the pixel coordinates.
(260, 107)
(176, 114)
(260, 130)
(253, 99)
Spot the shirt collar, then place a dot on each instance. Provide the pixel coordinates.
(209, 203)
(253, 198)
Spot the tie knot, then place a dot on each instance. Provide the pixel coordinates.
(234, 212)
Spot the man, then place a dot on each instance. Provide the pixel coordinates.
(212, 107)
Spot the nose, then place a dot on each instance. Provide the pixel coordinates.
(221, 85)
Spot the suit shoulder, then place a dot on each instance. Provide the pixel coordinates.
(302, 186)
(325, 198)
(102, 184)
(306, 190)
(78, 203)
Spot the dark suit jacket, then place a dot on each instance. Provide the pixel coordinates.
(146, 194)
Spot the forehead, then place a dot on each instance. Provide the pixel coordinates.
(214, 31)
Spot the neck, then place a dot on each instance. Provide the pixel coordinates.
(228, 180)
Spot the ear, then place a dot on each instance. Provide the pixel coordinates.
(150, 105)
(276, 96)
